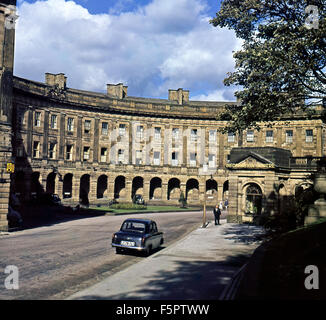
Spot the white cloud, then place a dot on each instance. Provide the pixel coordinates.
(167, 44)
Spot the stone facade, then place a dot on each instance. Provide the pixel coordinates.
(7, 39)
(99, 146)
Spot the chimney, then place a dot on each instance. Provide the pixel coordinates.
(118, 91)
(56, 80)
(180, 95)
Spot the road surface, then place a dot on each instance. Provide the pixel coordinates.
(58, 260)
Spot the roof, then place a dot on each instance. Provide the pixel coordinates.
(147, 221)
(279, 157)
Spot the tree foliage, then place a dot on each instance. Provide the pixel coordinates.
(281, 67)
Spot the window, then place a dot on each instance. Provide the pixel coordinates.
(156, 158)
(157, 133)
(309, 136)
(122, 129)
(120, 155)
(269, 136)
(105, 128)
(104, 152)
(193, 135)
(70, 126)
(87, 126)
(211, 160)
(175, 133)
(250, 136)
(52, 150)
(212, 135)
(231, 136)
(192, 160)
(69, 152)
(36, 149)
(289, 136)
(139, 156)
(37, 120)
(53, 121)
(174, 158)
(140, 132)
(86, 153)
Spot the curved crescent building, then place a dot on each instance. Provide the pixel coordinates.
(94, 147)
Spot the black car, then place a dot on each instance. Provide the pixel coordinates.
(138, 234)
(138, 199)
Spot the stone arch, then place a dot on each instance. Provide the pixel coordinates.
(84, 189)
(67, 186)
(253, 197)
(225, 190)
(174, 189)
(137, 186)
(102, 186)
(211, 191)
(36, 187)
(50, 182)
(119, 187)
(155, 189)
(192, 189)
(301, 186)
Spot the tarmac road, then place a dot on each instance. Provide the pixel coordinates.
(56, 261)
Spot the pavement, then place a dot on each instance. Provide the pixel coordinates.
(204, 265)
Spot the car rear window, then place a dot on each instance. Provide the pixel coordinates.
(133, 226)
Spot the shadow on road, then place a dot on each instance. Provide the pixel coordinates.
(191, 280)
(246, 235)
(40, 216)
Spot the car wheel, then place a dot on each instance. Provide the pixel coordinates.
(118, 250)
(148, 251)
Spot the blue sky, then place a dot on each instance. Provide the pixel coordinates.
(149, 45)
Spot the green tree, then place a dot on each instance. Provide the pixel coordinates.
(281, 66)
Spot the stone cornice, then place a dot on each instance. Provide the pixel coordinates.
(101, 102)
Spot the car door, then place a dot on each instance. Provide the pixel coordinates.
(155, 235)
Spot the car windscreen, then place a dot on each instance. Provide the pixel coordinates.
(133, 226)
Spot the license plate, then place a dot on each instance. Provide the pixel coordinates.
(128, 243)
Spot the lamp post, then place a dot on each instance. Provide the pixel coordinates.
(204, 207)
(204, 211)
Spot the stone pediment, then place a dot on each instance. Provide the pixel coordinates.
(252, 162)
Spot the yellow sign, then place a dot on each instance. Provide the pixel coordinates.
(10, 167)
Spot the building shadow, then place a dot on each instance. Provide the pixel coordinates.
(190, 280)
(245, 235)
(34, 217)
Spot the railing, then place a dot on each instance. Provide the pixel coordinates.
(304, 162)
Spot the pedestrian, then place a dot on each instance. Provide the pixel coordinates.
(221, 205)
(226, 203)
(217, 214)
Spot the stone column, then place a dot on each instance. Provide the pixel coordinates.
(234, 200)
(59, 186)
(128, 189)
(75, 188)
(146, 189)
(164, 191)
(219, 191)
(110, 191)
(92, 195)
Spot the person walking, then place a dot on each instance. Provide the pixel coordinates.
(217, 214)
(226, 203)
